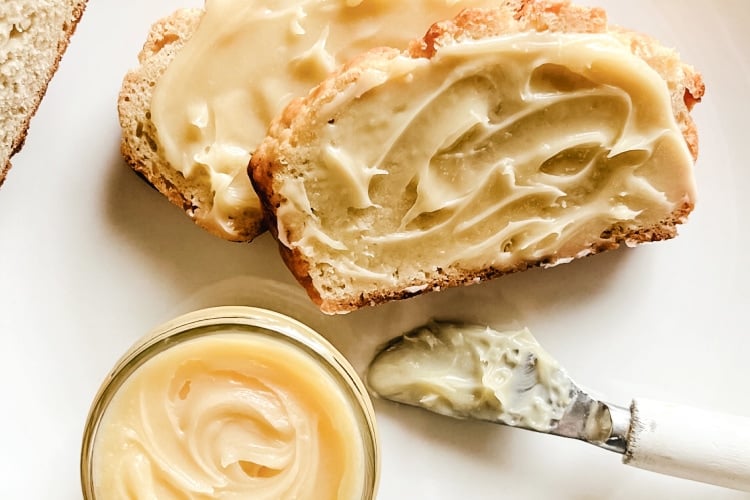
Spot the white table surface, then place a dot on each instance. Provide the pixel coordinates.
(91, 258)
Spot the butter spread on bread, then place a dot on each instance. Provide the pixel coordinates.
(33, 37)
(211, 81)
(481, 151)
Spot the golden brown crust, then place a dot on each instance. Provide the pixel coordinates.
(68, 30)
(140, 146)
(513, 17)
(292, 128)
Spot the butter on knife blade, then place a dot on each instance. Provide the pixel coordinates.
(472, 371)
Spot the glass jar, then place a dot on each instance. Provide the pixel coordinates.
(200, 331)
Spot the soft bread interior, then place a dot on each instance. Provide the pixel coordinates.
(33, 37)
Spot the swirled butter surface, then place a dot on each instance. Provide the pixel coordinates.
(247, 60)
(473, 371)
(519, 148)
(229, 416)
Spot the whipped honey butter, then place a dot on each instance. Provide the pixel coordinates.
(248, 59)
(232, 403)
(493, 153)
(473, 371)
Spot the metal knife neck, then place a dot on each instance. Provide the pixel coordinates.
(601, 424)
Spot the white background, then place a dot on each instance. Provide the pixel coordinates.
(91, 258)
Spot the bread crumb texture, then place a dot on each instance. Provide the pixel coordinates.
(33, 37)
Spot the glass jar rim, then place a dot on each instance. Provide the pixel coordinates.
(258, 321)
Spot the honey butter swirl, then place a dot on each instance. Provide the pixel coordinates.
(247, 60)
(229, 417)
(495, 152)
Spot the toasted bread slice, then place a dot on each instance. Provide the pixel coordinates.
(526, 135)
(139, 144)
(33, 37)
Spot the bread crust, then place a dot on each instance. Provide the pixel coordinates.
(290, 129)
(140, 145)
(68, 29)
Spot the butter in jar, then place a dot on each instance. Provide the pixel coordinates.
(228, 403)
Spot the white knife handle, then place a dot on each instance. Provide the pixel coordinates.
(690, 443)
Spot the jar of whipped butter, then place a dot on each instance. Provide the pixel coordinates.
(228, 403)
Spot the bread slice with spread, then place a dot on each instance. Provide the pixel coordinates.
(525, 135)
(33, 37)
(211, 80)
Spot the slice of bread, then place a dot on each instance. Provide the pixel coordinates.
(33, 37)
(465, 158)
(301, 58)
(139, 143)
